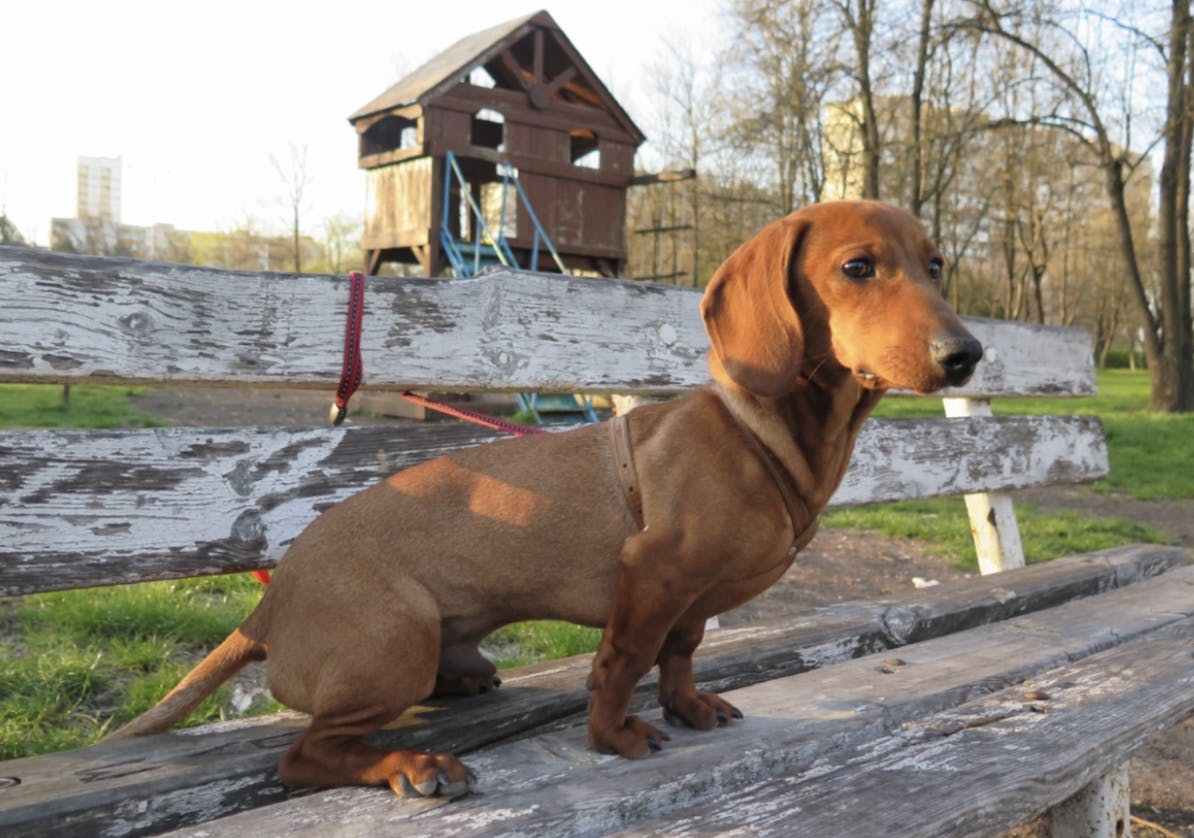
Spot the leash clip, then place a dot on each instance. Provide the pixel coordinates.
(337, 413)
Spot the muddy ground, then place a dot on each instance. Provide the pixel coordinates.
(838, 565)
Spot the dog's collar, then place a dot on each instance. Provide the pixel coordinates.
(619, 433)
(623, 449)
(797, 509)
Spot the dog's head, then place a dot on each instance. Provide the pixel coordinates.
(856, 284)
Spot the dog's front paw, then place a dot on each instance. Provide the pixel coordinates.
(433, 775)
(702, 711)
(633, 739)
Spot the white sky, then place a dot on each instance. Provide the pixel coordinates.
(195, 97)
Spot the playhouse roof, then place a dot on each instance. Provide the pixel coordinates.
(507, 52)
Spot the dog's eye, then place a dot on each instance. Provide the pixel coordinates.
(859, 269)
(935, 268)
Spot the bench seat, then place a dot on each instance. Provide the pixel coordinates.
(905, 720)
(190, 777)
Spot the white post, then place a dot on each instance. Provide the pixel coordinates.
(992, 518)
(1101, 810)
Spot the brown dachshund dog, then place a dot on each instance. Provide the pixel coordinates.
(687, 509)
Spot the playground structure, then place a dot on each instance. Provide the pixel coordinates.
(473, 158)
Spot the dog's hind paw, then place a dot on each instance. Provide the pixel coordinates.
(440, 784)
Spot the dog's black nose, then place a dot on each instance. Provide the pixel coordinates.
(957, 356)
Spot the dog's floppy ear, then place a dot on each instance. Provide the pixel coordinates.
(755, 331)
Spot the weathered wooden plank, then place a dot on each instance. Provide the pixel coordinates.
(67, 317)
(905, 459)
(107, 507)
(984, 767)
(192, 776)
(1062, 357)
(551, 784)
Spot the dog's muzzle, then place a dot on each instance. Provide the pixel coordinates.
(957, 357)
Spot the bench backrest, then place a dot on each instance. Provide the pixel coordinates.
(85, 508)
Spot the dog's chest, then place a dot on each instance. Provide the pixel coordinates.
(733, 589)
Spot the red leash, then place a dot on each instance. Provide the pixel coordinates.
(353, 369)
(352, 372)
(474, 416)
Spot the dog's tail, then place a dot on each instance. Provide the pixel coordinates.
(224, 661)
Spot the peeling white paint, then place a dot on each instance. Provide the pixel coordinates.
(508, 330)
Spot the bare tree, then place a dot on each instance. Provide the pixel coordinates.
(9, 234)
(1072, 67)
(923, 50)
(294, 178)
(688, 113)
(779, 67)
(341, 244)
(858, 18)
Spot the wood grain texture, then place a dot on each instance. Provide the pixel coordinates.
(192, 776)
(69, 317)
(85, 508)
(981, 768)
(904, 459)
(107, 507)
(66, 318)
(551, 784)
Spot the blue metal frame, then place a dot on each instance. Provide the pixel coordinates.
(582, 403)
(487, 249)
(496, 249)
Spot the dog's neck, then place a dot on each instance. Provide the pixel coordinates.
(811, 430)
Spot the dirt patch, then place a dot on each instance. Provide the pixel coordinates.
(230, 407)
(1174, 518)
(838, 565)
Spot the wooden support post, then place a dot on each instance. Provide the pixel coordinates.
(992, 517)
(422, 253)
(372, 262)
(1101, 810)
(435, 258)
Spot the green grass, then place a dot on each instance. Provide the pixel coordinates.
(538, 640)
(1152, 456)
(43, 406)
(944, 526)
(75, 664)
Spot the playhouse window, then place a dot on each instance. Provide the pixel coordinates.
(480, 77)
(585, 150)
(488, 129)
(390, 134)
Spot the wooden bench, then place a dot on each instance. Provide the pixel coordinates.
(1010, 695)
